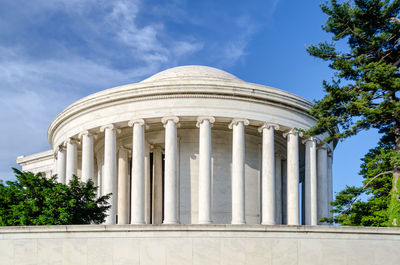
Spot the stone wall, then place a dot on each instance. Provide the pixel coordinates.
(196, 244)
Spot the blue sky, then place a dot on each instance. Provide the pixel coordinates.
(53, 52)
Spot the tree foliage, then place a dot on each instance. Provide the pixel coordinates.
(35, 200)
(373, 210)
(364, 94)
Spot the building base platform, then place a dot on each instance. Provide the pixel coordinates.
(198, 244)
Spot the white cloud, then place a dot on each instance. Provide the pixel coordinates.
(34, 92)
(53, 52)
(124, 12)
(145, 42)
(183, 47)
(235, 49)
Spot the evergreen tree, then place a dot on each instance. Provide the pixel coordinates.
(35, 200)
(364, 94)
(372, 211)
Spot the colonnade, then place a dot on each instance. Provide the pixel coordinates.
(318, 173)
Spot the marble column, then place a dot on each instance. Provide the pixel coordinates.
(110, 170)
(95, 169)
(330, 182)
(138, 183)
(310, 195)
(292, 177)
(72, 160)
(278, 188)
(123, 185)
(157, 185)
(87, 156)
(61, 164)
(100, 173)
(238, 170)
(147, 186)
(268, 174)
(205, 123)
(322, 171)
(284, 191)
(171, 181)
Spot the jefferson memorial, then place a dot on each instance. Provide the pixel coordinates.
(194, 145)
(204, 168)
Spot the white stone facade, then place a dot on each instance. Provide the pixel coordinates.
(194, 145)
(198, 245)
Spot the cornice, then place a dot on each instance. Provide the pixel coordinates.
(205, 89)
(42, 156)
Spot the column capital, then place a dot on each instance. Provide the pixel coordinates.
(236, 121)
(325, 145)
(293, 131)
(86, 133)
(203, 118)
(322, 145)
(71, 141)
(141, 122)
(60, 147)
(314, 139)
(175, 119)
(111, 127)
(268, 125)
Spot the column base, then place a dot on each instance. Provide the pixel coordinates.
(268, 223)
(171, 223)
(138, 223)
(238, 222)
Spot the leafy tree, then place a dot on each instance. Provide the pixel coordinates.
(35, 200)
(373, 211)
(364, 94)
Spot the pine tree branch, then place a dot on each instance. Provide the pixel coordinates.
(364, 187)
(380, 174)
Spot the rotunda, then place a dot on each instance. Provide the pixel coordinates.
(194, 145)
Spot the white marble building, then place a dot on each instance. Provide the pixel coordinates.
(218, 159)
(194, 145)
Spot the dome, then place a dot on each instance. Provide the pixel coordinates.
(194, 72)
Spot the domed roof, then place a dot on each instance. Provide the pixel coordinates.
(194, 72)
